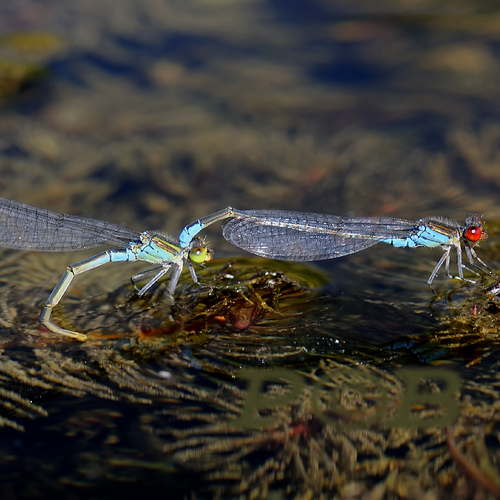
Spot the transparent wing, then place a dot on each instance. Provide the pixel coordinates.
(288, 243)
(26, 227)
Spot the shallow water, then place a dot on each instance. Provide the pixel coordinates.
(151, 114)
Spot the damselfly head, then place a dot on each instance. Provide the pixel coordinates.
(199, 251)
(474, 230)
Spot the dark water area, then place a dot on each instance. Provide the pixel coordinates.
(347, 378)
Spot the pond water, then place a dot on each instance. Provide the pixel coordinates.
(346, 378)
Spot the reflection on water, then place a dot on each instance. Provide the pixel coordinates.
(158, 389)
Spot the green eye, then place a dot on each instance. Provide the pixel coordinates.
(198, 255)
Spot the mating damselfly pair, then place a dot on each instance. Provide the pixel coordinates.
(275, 234)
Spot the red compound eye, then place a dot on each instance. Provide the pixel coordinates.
(473, 233)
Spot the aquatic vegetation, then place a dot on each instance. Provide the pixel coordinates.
(178, 371)
(485, 475)
(161, 112)
(302, 456)
(31, 43)
(132, 331)
(15, 74)
(21, 59)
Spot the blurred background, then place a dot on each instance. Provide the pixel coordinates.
(153, 113)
